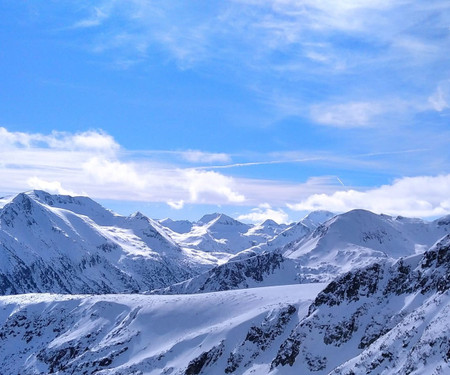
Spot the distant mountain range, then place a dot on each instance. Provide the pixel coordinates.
(355, 293)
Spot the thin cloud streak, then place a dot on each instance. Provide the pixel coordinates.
(312, 159)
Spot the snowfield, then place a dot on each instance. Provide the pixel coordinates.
(136, 334)
(349, 294)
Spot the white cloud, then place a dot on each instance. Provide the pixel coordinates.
(100, 171)
(176, 205)
(92, 162)
(347, 115)
(93, 140)
(53, 187)
(208, 184)
(104, 171)
(264, 212)
(423, 196)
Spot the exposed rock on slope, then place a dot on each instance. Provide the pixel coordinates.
(386, 318)
(63, 244)
(266, 269)
(123, 334)
(358, 238)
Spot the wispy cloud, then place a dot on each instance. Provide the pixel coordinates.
(196, 156)
(93, 163)
(440, 99)
(97, 17)
(348, 115)
(176, 205)
(331, 49)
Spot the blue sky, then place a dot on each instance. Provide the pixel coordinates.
(255, 108)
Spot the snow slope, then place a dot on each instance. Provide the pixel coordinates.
(73, 245)
(123, 334)
(388, 318)
(358, 238)
(219, 233)
(267, 269)
(316, 218)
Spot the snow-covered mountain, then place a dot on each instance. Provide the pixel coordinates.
(62, 244)
(316, 218)
(388, 318)
(359, 238)
(123, 334)
(297, 255)
(219, 233)
(256, 270)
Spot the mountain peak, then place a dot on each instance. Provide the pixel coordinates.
(218, 218)
(316, 218)
(205, 219)
(139, 215)
(269, 223)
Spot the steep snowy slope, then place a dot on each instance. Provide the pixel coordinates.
(178, 226)
(389, 318)
(290, 235)
(120, 334)
(316, 218)
(73, 245)
(267, 229)
(358, 238)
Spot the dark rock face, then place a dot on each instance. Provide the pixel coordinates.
(349, 287)
(232, 275)
(259, 338)
(206, 359)
(362, 311)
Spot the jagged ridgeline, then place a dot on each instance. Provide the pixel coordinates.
(63, 244)
(356, 293)
(388, 318)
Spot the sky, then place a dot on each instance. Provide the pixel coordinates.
(258, 109)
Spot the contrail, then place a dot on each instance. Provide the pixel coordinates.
(249, 164)
(340, 181)
(394, 152)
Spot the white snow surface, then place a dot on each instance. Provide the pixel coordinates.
(358, 238)
(134, 334)
(386, 313)
(65, 244)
